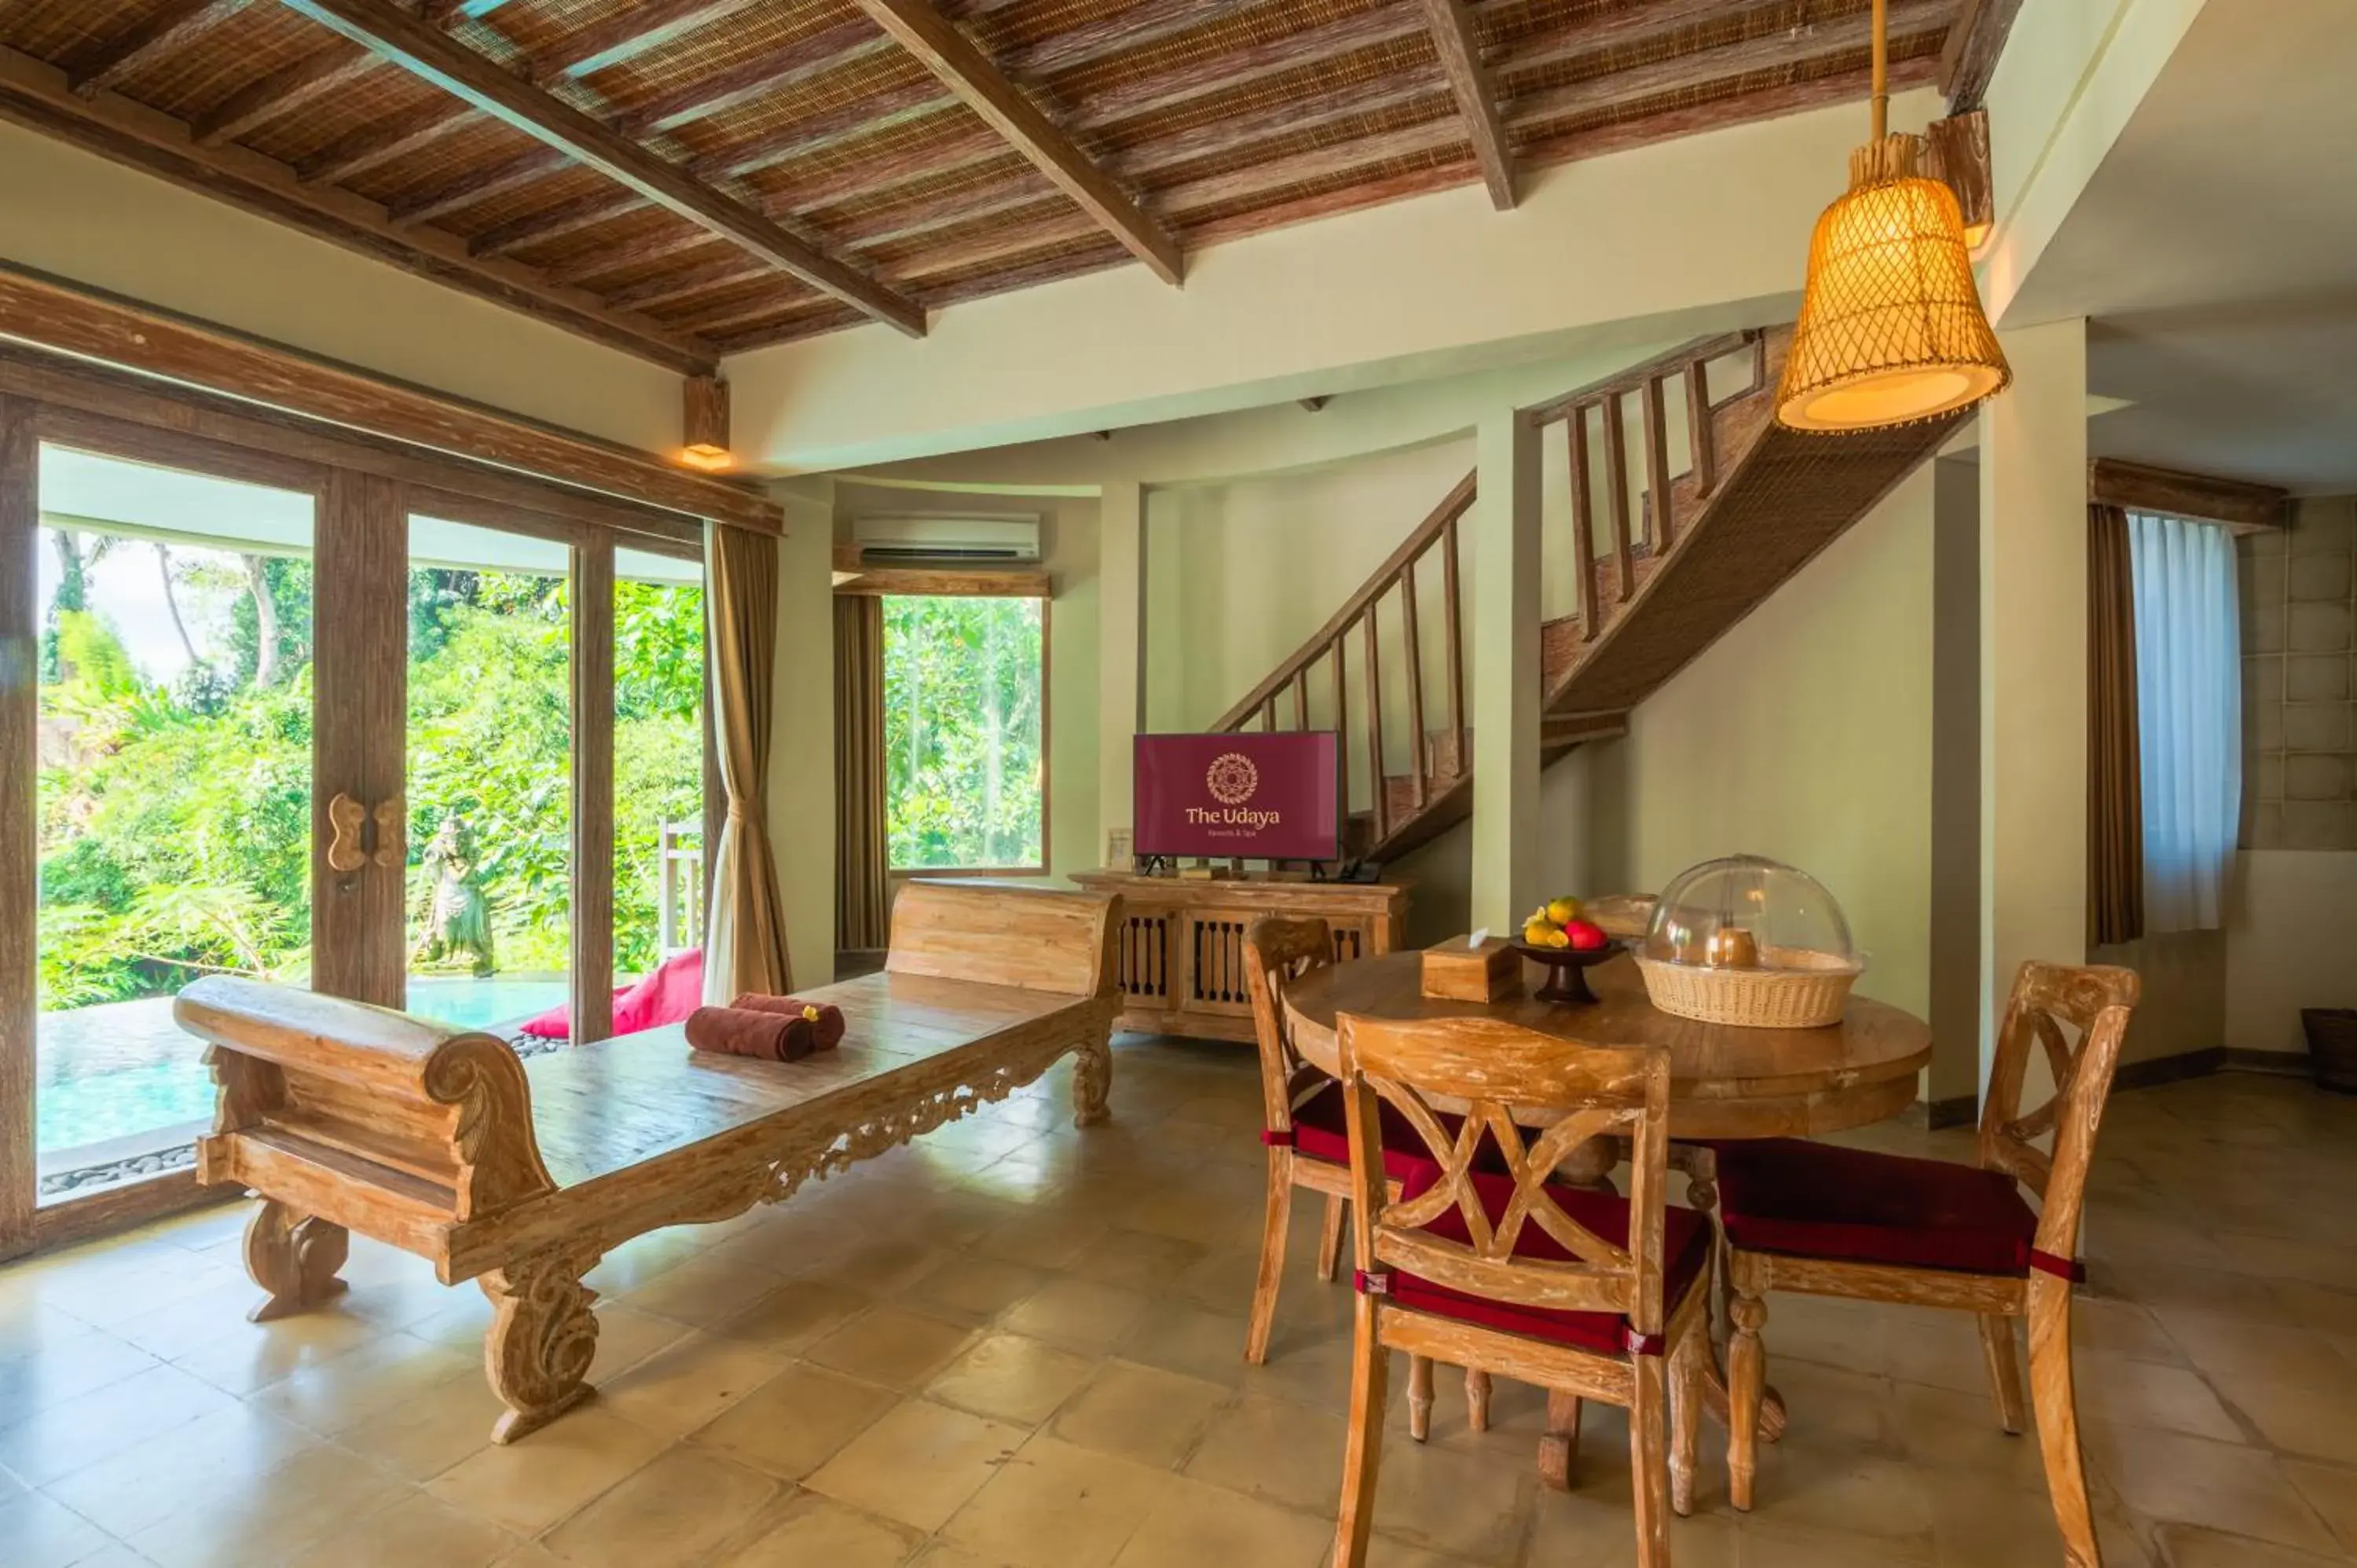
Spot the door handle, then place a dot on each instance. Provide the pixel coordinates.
(345, 820)
(391, 834)
(345, 816)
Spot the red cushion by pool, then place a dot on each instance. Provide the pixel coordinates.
(666, 996)
(1821, 1200)
(1685, 1245)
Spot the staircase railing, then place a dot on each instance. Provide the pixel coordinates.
(1643, 523)
(1644, 519)
(1327, 651)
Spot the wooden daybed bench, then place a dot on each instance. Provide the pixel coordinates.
(523, 1174)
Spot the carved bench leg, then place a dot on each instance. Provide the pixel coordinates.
(1091, 1082)
(294, 1257)
(542, 1339)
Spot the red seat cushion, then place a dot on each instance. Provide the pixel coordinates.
(1321, 1132)
(1821, 1200)
(1687, 1246)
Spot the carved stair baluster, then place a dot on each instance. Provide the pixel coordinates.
(1616, 486)
(1375, 724)
(1657, 466)
(1583, 523)
(1456, 635)
(1419, 764)
(1700, 447)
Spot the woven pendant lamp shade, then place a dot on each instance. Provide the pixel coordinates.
(1892, 329)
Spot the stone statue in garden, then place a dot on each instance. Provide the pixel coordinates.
(460, 918)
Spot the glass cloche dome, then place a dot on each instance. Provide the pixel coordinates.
(1747, 912)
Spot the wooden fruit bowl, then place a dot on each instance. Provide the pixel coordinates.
(1566, 980)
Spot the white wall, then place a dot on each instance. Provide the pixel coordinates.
(76, 215)
(801, 753)
(2289, 944)
(1804, 735)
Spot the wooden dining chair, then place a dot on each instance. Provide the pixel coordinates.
(1584, 1293)
(1827, 1220)
(1301, 1115)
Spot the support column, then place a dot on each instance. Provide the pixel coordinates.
(801, 768)
(1502, 647)
(1121, 650)
(2033, 662)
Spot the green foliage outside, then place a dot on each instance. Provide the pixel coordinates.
(965, 779)
(176, 823)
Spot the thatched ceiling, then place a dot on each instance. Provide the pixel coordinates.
(688, 178)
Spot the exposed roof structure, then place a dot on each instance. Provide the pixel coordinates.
(689, 178)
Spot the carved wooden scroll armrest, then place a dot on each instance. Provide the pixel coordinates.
(498, 1154)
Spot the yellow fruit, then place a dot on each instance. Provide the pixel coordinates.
(1563, 911)
(1539, 934)
(1558, 939)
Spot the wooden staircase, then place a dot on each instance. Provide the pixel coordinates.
(1677, 548)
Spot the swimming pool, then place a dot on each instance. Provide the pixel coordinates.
(124, 1067)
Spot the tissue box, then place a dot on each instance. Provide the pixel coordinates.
(1456, 972)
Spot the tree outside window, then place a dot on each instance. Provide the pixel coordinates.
(964, 725)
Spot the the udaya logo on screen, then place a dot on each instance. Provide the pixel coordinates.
(1232, 780)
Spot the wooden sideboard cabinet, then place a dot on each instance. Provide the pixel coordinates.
(1182, 960)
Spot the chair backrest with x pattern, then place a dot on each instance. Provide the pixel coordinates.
(1277, 952)
(1492, 1070)
(2094, 1001)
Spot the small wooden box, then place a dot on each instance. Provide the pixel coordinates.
(1456, 972)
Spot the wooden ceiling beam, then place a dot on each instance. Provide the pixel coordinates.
(1911, 21)
(846, 122)
(796, 61)
(1975, 43)
(283, 92)
(167, 28)
(1640, 21)
(1194, 79)
(1132, 27)
(432, 56)
(36, 94)
(1477, 100)
(966, 71)
(640, 251)
(585, 212)
(479, 185)
(669, 288)
(378, 145)
(1233, 132)
(628, 32)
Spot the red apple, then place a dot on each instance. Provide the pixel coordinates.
(1587, 936)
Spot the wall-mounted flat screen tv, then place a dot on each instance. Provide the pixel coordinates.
(1238, 797)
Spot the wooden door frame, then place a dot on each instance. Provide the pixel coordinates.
(364, 492)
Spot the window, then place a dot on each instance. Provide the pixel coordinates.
(965, 726)
(2188, 717)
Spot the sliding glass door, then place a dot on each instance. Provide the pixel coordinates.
(175, 683)
(277, 719)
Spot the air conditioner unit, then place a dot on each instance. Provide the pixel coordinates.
(999, 539)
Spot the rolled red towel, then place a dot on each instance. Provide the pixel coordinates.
(824, 1018)
(743, 1032)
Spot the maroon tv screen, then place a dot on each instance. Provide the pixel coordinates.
(1238, 797)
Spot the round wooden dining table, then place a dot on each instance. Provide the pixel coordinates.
(1726, 1080)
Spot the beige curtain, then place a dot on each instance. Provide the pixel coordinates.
(745, 947)
(862, 854)
(2115, 768)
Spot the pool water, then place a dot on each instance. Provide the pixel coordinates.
(124, 1067)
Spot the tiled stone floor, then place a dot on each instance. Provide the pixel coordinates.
(1014, 1345)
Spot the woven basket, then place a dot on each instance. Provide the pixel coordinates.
(1804, 991)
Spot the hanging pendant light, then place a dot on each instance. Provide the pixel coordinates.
(1892, 329)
